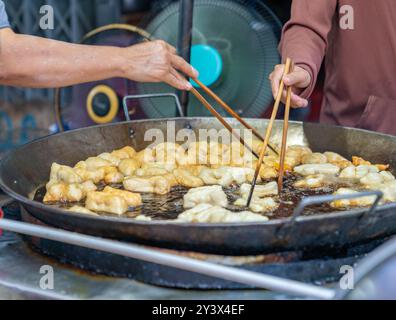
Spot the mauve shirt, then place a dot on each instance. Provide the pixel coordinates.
(360, 85)
(3, 16)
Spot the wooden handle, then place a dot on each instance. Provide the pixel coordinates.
(221, 119)
(284, 137)
(235, 115)
(269, 130)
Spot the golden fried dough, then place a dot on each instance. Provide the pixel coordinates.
(313, 158)
(186, 179)
(357, 202)
(63, 192)
(82, 210)
(213, 195)
(338, 160)
(64, 174)
(158, 184)
(124, 153)
(312, 169)
(128, 167)
(357, 161)
(206, 213)
(132, 199)
(106, 202)
(261, 200)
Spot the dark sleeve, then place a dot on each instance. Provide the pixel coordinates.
(3, 16)
(304, 37)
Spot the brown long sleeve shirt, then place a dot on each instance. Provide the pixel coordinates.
(360, 58)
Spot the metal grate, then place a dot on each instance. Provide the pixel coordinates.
(73, 19)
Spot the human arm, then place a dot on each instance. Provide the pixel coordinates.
(36, 62)
(304, 40)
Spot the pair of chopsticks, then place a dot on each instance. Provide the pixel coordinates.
(288, 68)
(231, 112)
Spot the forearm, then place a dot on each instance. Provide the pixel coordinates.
(37, 62)
(305, 36)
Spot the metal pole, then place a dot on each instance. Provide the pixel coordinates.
(154, 256)
(186, 12)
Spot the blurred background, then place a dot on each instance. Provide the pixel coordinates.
(234, 46)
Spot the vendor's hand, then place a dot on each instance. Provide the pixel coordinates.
(157, 61)
(299, 79)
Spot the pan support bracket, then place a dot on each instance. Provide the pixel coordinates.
(151, 96)
(309, 201)
(186, 9)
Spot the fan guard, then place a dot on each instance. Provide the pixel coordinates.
(244, 33)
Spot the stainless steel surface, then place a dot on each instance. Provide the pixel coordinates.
(150, 255)
(373, 279)
(17, 259)
(375, 275)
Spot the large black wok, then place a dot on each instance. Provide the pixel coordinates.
(27, 168)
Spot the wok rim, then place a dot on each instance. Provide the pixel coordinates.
(25, 201)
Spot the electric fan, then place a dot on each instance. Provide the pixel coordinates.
(234, 47)
(99, 102)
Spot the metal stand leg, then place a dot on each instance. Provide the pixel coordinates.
(185, 41)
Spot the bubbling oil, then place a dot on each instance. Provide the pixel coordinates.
(169, 206)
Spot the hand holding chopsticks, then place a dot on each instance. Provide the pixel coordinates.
(288, 67)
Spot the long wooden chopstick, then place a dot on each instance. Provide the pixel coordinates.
(221, 119)
(235, 115)
(269, 131)
(284, 136)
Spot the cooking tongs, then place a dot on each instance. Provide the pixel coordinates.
(288, 68)
(230, 111)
